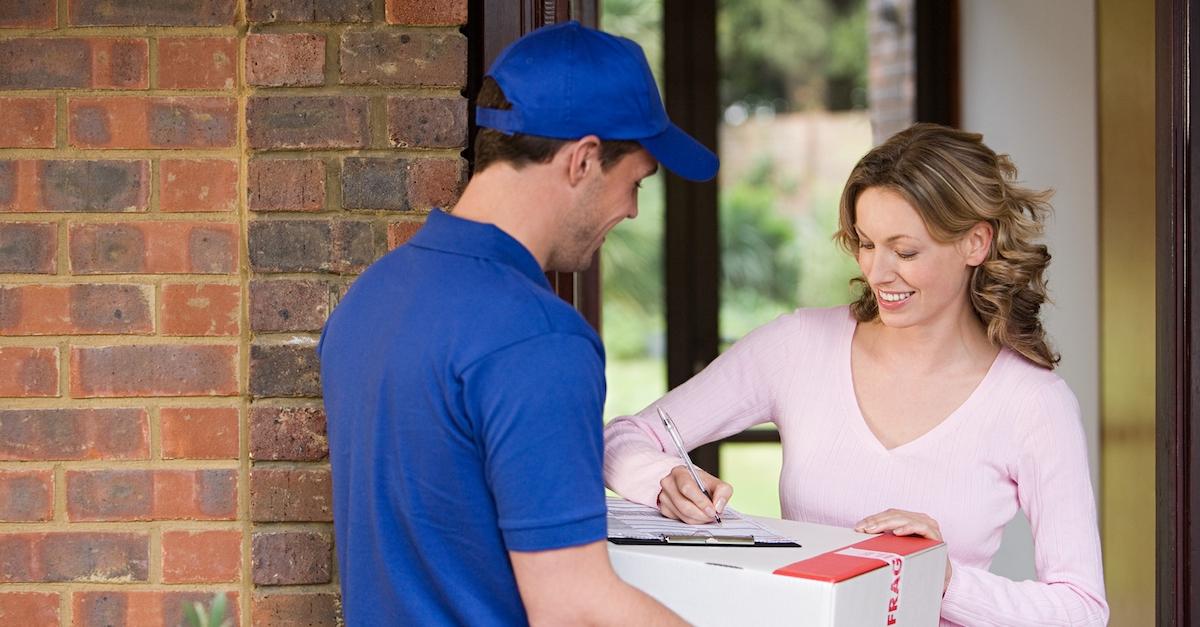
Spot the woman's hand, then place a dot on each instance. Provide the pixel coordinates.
(902, 523)
(682, 499)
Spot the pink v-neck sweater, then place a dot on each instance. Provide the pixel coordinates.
(1017, 441)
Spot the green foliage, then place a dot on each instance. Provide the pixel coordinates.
(786, 54)
(641, 21)
(632, 263)
(792, 54)
(213, 616)
(758, 245)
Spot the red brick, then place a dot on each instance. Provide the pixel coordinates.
(288, 433)
(28, 372)
(101, 495)
(285, 370)
(199, 433)
(435, 182)
(144, 608)
(142, 13)
(285, 59)
(74, 434)
(201, 309)
(28, 14)
(152, 122)
(199, 495)
(291, 557)
(75, 309)
(27, 122)
(308, 609)
(110, 495)
(274, 122)
(26, 496)
(201, 556)
(197, 62)
(74, 556)
(269, 11)
(427, 12)
(155, 370)
(100, 63)
(154, 247)
(436, 57)
(399, 233)
(416, 122)
(286, 185)
(343, 246)
(83, 185)
(290, 495)
(288, 305)
(29, 609)
(28, 247)
(199, 185)
(375, 183)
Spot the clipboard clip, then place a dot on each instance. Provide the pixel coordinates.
(707, 538)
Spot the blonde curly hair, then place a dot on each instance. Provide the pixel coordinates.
(954, 182)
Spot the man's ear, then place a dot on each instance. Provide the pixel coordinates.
(582, 156)
(977, 243)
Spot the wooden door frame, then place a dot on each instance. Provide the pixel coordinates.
(1178, 355)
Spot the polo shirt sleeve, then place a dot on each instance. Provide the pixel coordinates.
(536, 408)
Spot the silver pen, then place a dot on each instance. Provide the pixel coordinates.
(674, 433)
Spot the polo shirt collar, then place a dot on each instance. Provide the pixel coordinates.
(459, 236)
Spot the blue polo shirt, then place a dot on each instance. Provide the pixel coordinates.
(464, 401)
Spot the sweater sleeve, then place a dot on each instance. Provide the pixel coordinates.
(1055, 492)
(729, 396)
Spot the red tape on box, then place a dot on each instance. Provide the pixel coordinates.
(860, 558)
(836, 566)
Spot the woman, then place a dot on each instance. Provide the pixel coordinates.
(928, 406)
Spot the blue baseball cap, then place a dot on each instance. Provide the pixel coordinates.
(566, 81)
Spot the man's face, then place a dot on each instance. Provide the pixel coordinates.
(605, 198)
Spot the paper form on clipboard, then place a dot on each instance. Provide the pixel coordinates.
(631, 523)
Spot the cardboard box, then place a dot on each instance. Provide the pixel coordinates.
(836, 578)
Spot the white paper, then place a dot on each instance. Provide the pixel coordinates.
(628, 520)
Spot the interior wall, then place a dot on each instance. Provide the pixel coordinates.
(1127, 313)
(1029, 85)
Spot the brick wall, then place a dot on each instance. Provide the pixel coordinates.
(186, 188)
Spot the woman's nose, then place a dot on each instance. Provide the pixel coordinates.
(881, 269)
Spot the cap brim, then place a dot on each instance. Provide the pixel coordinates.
(680, 153)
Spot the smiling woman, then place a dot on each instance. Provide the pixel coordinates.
(955, 186)
(927, 407)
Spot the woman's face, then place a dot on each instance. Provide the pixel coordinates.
(916, 279)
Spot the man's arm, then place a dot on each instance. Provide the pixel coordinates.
(577, 586)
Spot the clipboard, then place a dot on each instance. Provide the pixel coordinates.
(702, 540)
(633, 524)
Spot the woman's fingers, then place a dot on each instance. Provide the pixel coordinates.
(901, 523)
(686, 500)
(721, 492)
(665, 507)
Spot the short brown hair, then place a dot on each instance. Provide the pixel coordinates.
(518, 150)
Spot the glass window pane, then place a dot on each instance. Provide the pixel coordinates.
(753, 471)
(793, 88)
(633, 319)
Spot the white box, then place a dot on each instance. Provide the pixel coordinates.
(818, 584)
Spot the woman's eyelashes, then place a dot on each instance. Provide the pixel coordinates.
(903, 254)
